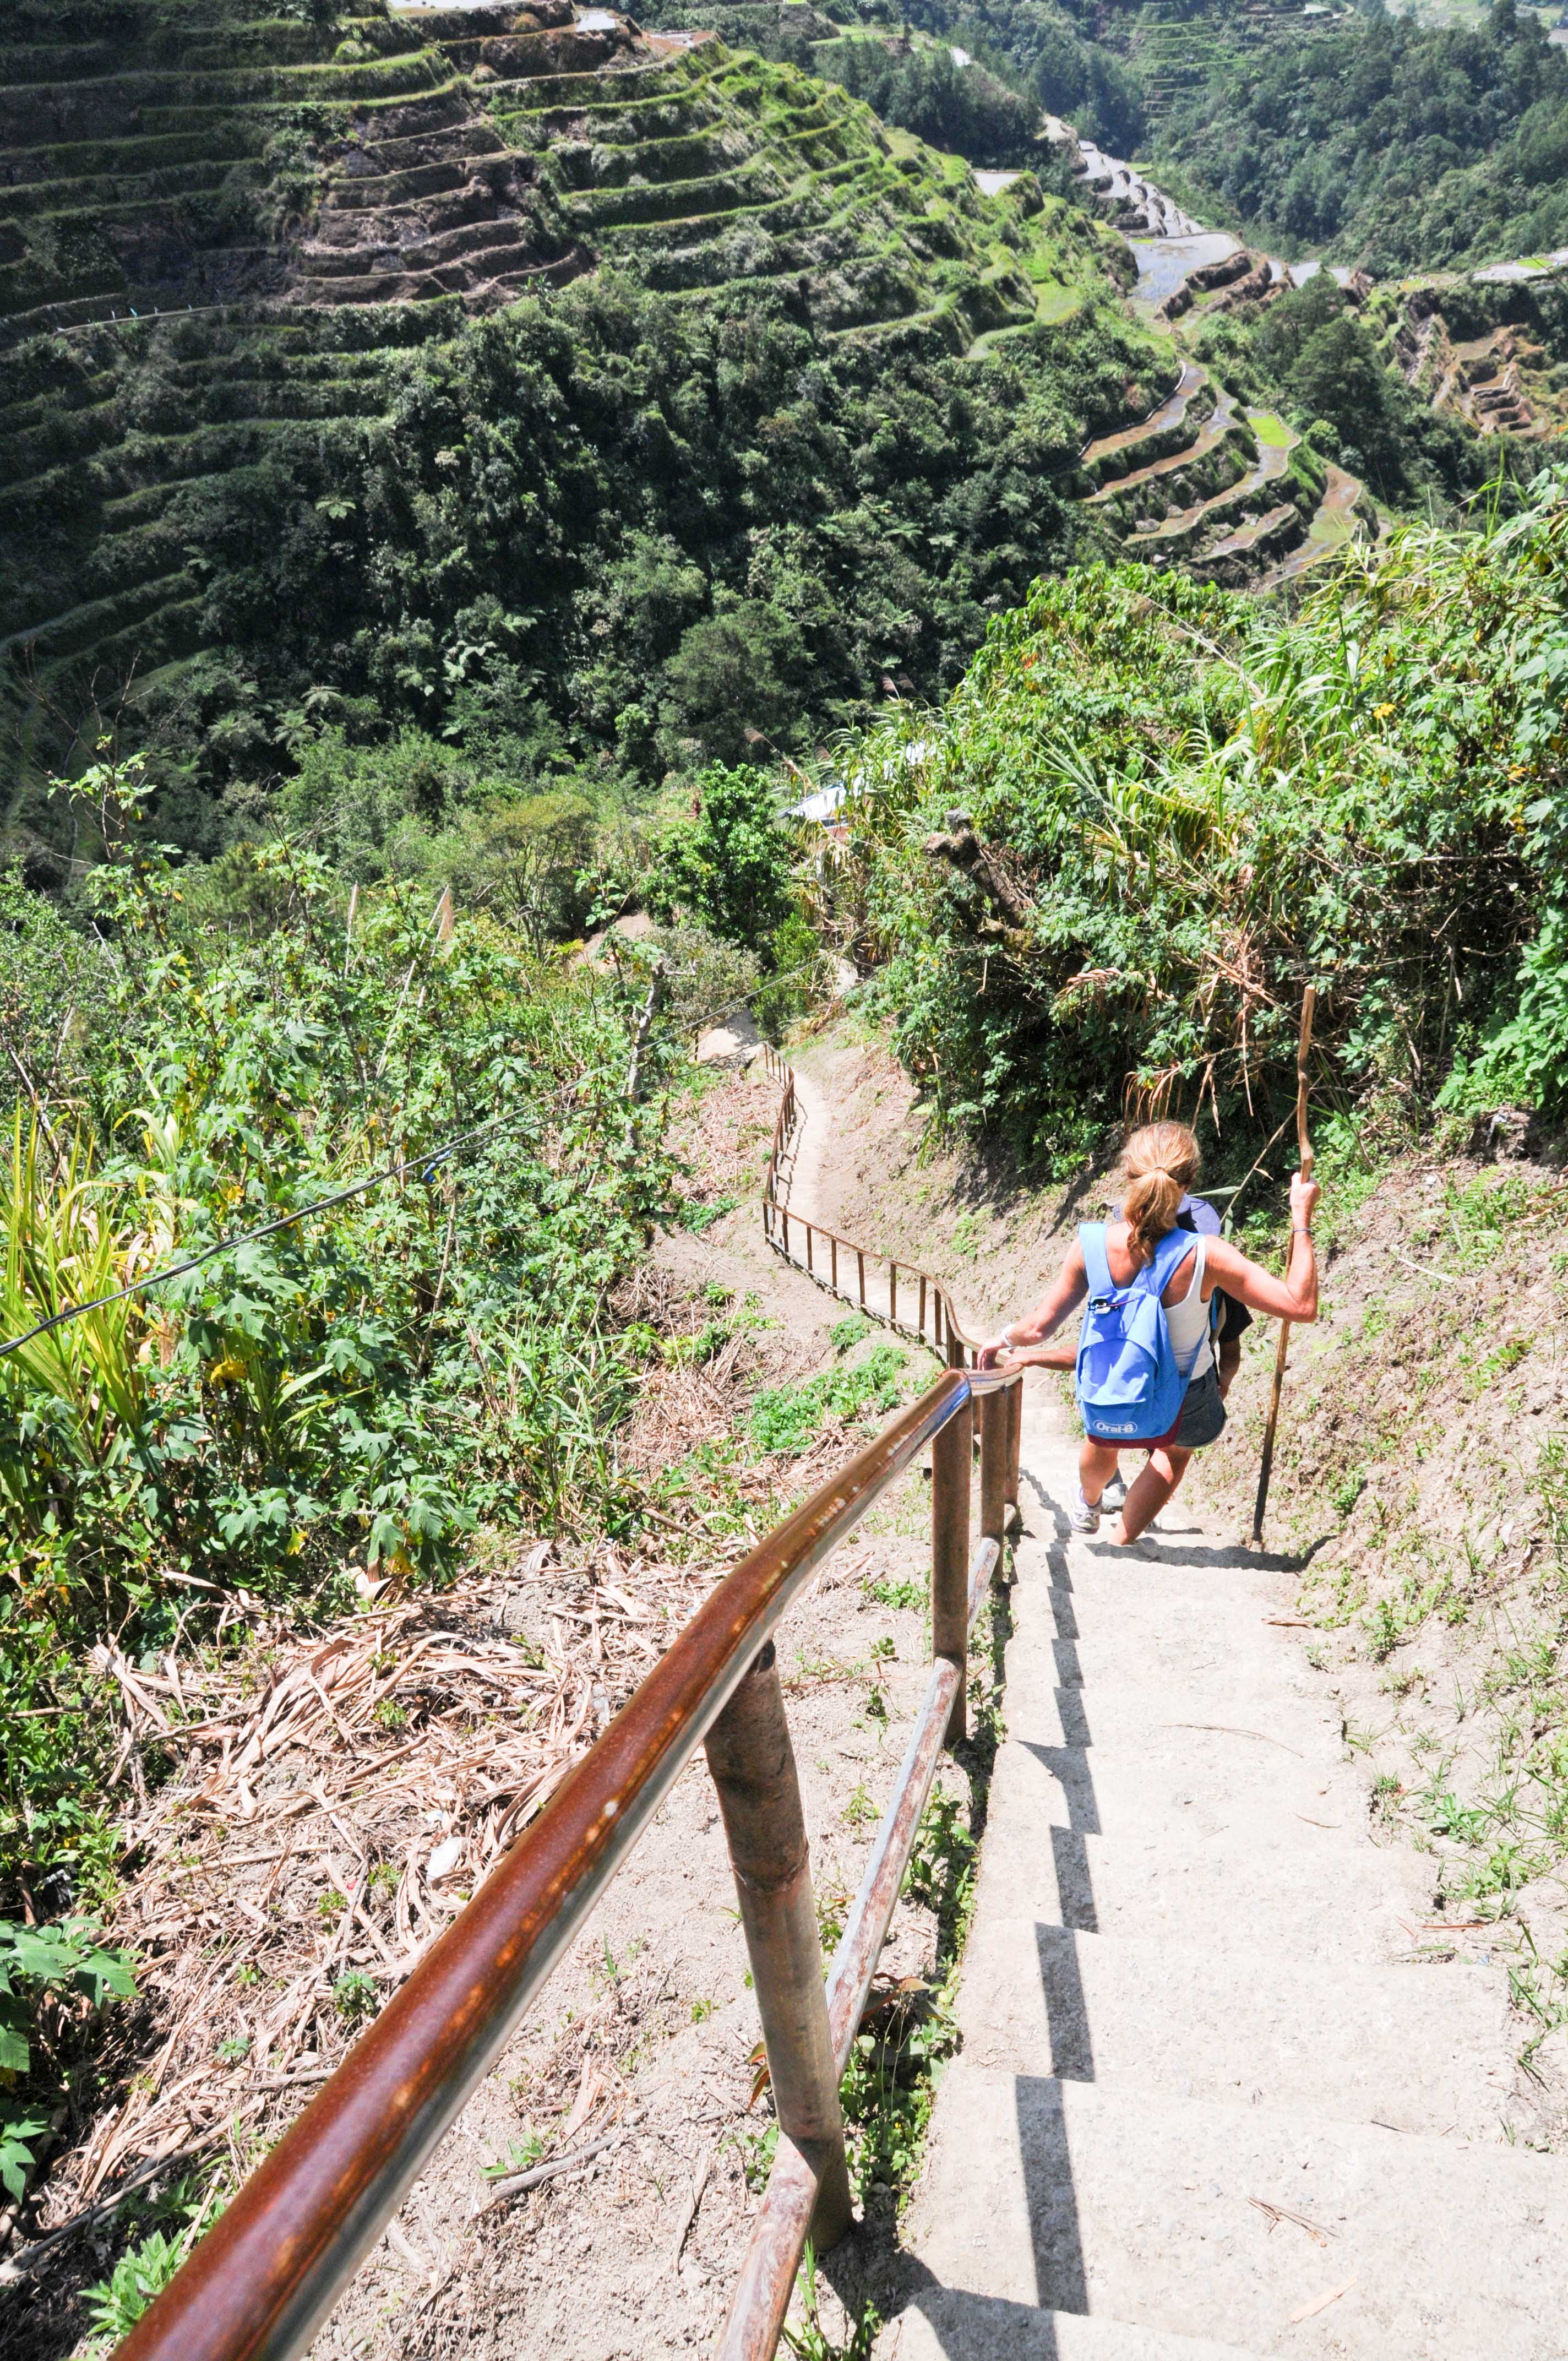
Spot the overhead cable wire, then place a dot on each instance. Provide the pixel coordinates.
(426, 1161)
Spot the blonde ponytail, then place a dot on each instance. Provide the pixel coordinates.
(1162, 1161)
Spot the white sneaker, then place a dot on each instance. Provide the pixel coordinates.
(1084, 1519)
(1114, 1496)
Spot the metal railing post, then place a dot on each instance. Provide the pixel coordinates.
(752, 1763)
(1015, 1401)
(994, 1424)
(952, 1450)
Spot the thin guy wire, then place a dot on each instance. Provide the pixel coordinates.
(428, 1158)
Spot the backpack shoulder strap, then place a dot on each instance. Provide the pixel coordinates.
(1168, 1254)
(1091, 1239)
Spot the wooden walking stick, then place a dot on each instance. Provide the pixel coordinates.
(1304, 1146)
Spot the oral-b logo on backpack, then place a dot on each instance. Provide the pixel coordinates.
(1129, 1383)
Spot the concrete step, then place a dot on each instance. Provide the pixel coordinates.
(948, 2325)
(1139, 2207)
(1265, 1878)
(1151, 1719)
(1139, 1633)
(1096, 1758)
(1418, 2048)
(1174, 1550)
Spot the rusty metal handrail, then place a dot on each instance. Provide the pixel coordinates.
(773, 2255)
(269, 2270)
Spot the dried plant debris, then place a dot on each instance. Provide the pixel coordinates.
(722, 1136)
(327, 1806)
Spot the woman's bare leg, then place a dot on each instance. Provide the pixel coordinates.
(1096, 1466)
(1161, 1473)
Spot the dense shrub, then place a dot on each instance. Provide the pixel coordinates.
(351, 1391)
(727, 864)
(1193, 806)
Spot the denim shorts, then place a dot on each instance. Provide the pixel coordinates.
(1202, 1418)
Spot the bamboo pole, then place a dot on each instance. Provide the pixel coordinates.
(1304, 1148)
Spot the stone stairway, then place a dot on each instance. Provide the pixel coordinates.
(1210, 2100)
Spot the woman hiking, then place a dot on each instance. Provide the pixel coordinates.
(1136, 1362)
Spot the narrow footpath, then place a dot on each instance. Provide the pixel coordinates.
(1222, 2091)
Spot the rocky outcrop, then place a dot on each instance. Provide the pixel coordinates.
(1244, 278)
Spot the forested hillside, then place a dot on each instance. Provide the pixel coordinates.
(746, 435)
(1386, 144)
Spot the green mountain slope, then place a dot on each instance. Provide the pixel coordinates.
(345, 454)
(1386, 144)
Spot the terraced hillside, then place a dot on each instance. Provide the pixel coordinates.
(234, 241)
(1492, 352)
(1176, 47)
(1206, 484)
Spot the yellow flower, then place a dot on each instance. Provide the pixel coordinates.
(1381, 712)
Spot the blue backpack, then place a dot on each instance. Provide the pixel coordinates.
(1129, 1385)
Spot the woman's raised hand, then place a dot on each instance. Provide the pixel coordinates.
(1304, 1195)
